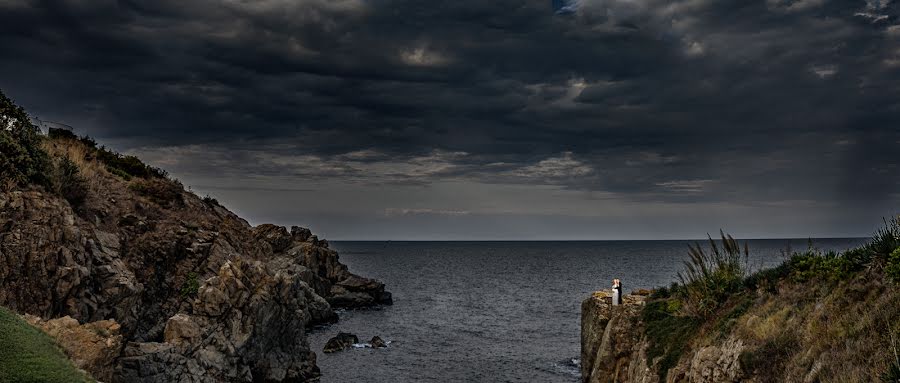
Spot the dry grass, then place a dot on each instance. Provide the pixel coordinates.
(83, 157)
(847, 333)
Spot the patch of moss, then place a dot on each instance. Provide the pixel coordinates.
(668, 333)
(29, 355)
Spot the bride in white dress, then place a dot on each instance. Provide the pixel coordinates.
(617, 292)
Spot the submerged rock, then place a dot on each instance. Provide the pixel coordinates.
(340, 342)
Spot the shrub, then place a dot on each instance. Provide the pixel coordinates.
(61, 134)
(210, 201)
(66, 180)
(709, 278)
(161, 191)
(21, 158)
(767, 279)
(885, 240)
(191, 286)
(815, 265)
(892, 269)
(123, 165)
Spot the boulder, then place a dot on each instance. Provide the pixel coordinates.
(340, 342)
(92, 347)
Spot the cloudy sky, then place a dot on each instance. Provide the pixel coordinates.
(473, 119)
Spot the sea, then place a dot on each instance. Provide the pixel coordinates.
(498, 311)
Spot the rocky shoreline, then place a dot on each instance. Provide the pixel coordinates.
(186, 292)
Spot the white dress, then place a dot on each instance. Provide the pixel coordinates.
(616, 296)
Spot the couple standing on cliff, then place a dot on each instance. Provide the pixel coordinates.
(617, 292)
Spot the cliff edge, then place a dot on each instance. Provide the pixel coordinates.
(818, 317)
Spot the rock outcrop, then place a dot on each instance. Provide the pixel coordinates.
(188, 291)
(91, 346)
(614, 348)
(340, 342)
(611, 346)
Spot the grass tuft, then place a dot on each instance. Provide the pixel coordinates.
(710, 277)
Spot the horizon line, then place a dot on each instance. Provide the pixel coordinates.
(589, 240)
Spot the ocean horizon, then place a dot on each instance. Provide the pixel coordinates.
(499, 311)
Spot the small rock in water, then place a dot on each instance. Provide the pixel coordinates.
(377, 342)
(340, 342)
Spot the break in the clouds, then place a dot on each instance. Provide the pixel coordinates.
(488, 119)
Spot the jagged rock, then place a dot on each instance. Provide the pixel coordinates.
(199, 294)
(275, 236)
(92, 347)
(340, 342)
(377, 342)
(181, 329)
(300, 234)
(716, 364)
(610, 349)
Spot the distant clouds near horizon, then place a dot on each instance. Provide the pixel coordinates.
(543, 119)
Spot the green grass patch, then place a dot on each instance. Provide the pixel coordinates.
(667, 332)
(29, 355)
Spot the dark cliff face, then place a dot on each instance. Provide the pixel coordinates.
(200, 294)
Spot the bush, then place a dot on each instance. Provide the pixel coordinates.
(191, 286)
(892, 269)
(767, 279)
(67, 181)
(210, 201)
(21, 158)
(161, 191)
(830, 266)
(128, 166)
(709, 278)
(885, 240)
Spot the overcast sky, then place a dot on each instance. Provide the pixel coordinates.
(500, 119)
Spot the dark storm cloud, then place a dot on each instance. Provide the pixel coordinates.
(757, 102)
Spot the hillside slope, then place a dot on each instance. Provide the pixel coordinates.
(200, 295)
(819, 317)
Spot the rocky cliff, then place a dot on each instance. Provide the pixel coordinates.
(819, 317)
(182, 289)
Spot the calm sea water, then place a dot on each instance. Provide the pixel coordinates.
(496, 311)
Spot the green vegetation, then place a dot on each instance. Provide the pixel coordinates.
(710, 277)
(21, 159)
(118, 164)
(210, 201)
(828, 300)
(668, 332)
(191, 286)
(66, 180)
(29, 355)
(892, 270)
